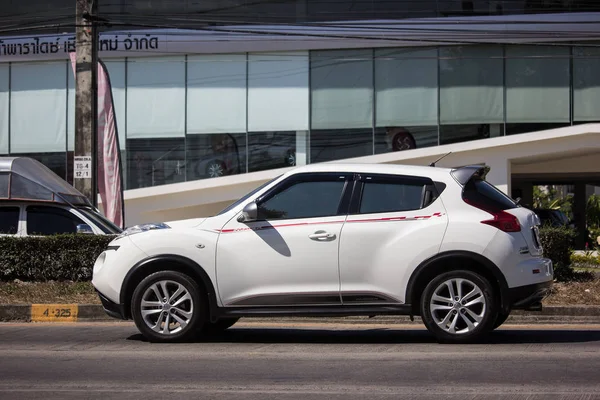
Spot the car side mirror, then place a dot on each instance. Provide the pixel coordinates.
(249, 213)
(85, 229)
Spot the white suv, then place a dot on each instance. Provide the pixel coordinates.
(335, 240)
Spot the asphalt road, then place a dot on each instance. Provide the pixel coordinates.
(301, 361)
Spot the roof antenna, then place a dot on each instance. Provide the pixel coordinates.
(436, 161)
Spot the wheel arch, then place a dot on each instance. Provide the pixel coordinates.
(166, 262)
(455, 260)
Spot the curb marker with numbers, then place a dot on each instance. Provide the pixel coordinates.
(54, 312)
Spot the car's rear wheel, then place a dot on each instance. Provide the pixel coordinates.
(212, 328)
(168, 306)
(459, 307)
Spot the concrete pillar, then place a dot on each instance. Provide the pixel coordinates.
(499, 174)
(302, 149)
(579, 205)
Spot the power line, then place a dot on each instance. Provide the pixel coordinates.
(364, 30)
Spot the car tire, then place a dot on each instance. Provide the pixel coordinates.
(183, 307)
(459, 314)
(500, 319)
(403, 141)
(212, 328)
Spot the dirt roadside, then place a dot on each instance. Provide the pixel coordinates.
(573, 293)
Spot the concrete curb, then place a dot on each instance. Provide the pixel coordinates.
(95, 312)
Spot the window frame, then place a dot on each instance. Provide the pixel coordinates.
(345, 196)
(428, 186)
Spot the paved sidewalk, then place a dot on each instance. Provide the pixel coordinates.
(93, 312)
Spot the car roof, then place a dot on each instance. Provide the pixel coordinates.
(24, 178)
(392, 169)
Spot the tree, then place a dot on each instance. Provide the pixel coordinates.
(593, 218)
(550, 198)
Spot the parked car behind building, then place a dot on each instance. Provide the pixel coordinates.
(555, 218)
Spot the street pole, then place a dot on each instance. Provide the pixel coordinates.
(86, 98)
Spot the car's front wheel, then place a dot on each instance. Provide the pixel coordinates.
(167, 306)
(290, 158)
(215, 169)
(459, 307)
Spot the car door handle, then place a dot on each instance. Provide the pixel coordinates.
(322, 236)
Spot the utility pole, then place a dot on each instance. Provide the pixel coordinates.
(86, 98)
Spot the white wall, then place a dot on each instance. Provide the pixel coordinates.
(552, 151)
(569, 163)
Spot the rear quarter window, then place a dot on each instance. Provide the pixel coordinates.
(486, 195)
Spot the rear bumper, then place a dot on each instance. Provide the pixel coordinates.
(529, 297)
(111, 308)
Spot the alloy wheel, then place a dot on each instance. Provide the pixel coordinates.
(167, 307)
(291, 159)
(458, 306)
(215, 170)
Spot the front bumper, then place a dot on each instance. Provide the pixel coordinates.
(111, 308)
(529, 297)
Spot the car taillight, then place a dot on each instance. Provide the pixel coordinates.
(502, 220)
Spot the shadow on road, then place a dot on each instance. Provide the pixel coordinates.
(386, 336)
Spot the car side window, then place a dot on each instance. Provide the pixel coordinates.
(391, 196)
(316, 197)
(45, 220)
(9, 220)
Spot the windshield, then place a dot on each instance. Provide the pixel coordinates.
(232, 206)
(100, 221)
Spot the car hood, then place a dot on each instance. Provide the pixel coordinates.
(185, 223)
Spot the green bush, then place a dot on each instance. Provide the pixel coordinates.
(585, 260)
(557, 243)
(51, 258)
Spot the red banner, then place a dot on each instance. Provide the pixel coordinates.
(110, 182)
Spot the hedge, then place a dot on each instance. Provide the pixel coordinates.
(51, 258)
(557, 243)
(585, 260)
(72, 257)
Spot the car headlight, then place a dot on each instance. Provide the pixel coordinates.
(142, 228)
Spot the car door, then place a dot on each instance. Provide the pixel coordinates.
(289, 255)
(394, 223)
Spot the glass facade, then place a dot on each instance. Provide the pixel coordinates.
(189, 117)
(471, 93)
